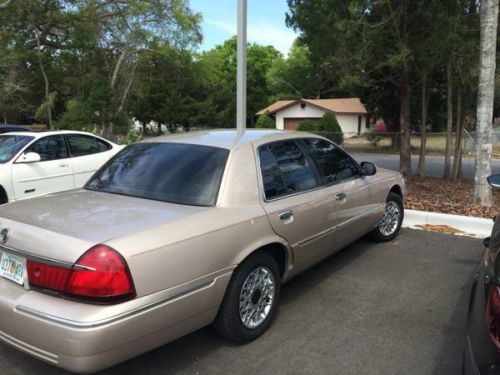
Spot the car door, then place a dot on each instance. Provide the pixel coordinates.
(88, 154)
(355, 205)
(52, 173)
(298, 208)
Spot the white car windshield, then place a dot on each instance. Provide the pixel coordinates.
(10, 145)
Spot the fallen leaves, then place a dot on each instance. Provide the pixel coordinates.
(450, 197)
(440, 229)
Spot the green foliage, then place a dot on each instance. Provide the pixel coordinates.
(374, 138)
(294, 77)
(329, 125)
(308, 126)
(131, 137)
(41, 112)
(266, 121)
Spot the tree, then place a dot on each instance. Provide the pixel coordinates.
(329, 125)
(489, 27)
(265, 121)
(294, 77)
(219, 68)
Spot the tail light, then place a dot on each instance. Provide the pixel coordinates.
(100, 275)
(492, 316)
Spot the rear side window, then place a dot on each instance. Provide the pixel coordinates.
(80, 145)
(285, 169)
(335, 164)
(49, 148)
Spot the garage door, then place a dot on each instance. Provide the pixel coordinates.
(293, 123)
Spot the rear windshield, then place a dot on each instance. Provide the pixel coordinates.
(168, 172)
(10, 145)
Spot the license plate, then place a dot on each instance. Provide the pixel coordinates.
(11, 267)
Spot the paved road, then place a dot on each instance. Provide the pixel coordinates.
(396, 308)
(434, 164)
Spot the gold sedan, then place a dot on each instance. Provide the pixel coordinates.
(179, 232)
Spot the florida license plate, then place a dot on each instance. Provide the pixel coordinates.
(11, 267)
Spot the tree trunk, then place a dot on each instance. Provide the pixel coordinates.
(423, 129)
(487, 66)
(45, 79)
(117, 67)
(457, 155)
(127, 89)
(404, 122)
(449, 120)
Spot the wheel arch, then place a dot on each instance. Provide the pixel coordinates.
(4, 198)
(277, 247)
(397, 190)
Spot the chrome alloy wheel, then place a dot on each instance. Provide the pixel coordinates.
(257, 297)
(390, 222)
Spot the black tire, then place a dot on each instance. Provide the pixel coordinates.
(377, 235)
(228, 323)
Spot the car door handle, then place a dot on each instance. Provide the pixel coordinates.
(287, 215)
(341, 196)
(62, 165)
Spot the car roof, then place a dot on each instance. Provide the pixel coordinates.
(45, 133)
(229, 139)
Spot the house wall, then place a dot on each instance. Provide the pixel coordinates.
(347, 122)
(296, 111)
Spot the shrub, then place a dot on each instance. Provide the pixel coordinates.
(329, 124)
(374, 138)
(308, 126)
(266, 121)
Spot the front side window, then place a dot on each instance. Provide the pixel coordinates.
(80, 145)
(169, 172)
(10, 145)
(49, 148)
(335, 164)
(285, 169)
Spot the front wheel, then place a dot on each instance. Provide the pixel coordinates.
(251, 299)
(388, 228)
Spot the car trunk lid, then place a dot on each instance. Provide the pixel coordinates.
(63, 226)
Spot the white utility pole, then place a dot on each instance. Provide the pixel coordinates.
(241, 89)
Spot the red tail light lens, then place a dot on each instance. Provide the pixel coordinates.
(47, 276)
(100, 275)
(492, 316)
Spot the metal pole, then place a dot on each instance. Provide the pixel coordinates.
(241, 90)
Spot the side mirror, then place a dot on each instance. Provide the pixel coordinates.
(494, 181)
(29, 157)
(368, 169)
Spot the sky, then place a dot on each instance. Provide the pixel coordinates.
(266, 22)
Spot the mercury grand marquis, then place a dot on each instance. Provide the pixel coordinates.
(178, 232)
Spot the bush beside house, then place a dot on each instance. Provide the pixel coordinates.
(265, 121)
(327, 125)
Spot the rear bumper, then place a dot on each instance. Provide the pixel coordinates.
(91, 345)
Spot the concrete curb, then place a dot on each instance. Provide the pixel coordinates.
(470, 226)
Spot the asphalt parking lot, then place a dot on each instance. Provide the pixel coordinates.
(395, 308)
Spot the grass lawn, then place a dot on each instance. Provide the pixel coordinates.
(436, 145)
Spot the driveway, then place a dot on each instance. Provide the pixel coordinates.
(395, 308)
(433, 164)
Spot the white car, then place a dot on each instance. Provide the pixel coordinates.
(34, 164)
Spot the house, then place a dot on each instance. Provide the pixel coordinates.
(350, 112)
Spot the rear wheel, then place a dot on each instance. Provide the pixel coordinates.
(251, 299)
(388, 228)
